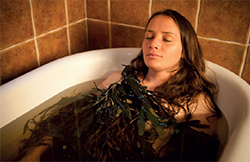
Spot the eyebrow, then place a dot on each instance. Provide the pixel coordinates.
(151, 31)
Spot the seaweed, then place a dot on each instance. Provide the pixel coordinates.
(105, 124)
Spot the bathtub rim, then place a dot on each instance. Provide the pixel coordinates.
(42, 70)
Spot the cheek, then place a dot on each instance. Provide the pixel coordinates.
(173, 53)
(178, 53)
(144, 45)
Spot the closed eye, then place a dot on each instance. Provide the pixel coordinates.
(167, 40)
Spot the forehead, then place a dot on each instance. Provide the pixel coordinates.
(164, 24)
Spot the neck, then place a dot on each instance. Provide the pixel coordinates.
(155, 79)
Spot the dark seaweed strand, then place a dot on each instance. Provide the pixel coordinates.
(122, 103)
(92, 127)
(59, 124)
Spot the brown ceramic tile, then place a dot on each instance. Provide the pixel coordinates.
(227, 55)
(226, 20)
(246, 70)
(15, 22)
(97, 9)
(123, 36)
(17, 61)
(53, 46)
(98, 35)
(134, 12)
(78, 41)
(76, 10)
(188, 8)
(48, 15)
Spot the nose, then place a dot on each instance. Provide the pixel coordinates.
(154, 47)
(154, 44)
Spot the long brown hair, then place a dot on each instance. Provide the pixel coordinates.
(190, 79)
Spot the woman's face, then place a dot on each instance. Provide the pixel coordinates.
(162, 47)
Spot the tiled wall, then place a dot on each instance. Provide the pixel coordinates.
(35, 32)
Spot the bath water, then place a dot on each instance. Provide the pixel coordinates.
(11, 134)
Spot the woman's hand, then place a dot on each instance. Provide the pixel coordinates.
(34, 153)
(163, 139)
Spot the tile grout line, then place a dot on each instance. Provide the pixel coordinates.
(28, 40)
(150, 8)
(109, 10)
(197, 15)
(78, 21)
(109, 22)
(86, 24)
(219, 40)
(243, 61)
(245, 55)
(39, 36)
(128, 25)
(67, 26)
(35, 37)
(52, 31)
(116, 23)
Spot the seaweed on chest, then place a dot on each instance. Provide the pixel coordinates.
(108, 124)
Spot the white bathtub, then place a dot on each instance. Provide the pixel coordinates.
(22, 95)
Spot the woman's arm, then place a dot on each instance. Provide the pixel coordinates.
(113, 78)
(206, 114)
(201, 110)
(34, 153)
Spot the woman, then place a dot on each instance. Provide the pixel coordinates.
(171, 64)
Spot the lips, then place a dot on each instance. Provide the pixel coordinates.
(153, 55)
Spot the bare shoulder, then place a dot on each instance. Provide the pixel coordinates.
(204, 112)
(204, 103)
(113, 78)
